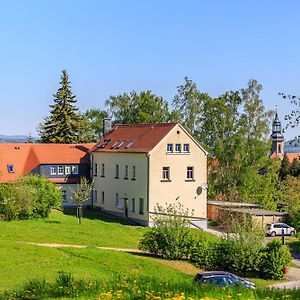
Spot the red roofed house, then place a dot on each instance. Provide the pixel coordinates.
(134, 167)
(63, 164)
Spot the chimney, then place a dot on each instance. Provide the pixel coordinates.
(106, 125)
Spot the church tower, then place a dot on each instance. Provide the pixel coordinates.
(277, 137)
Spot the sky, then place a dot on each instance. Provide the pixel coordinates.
(116, 46)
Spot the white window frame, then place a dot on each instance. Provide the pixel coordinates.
(53, 170)
(117, 171)
(96, 169)
(75, 169)
(170, 148)
(133, 173)
(141, 206)
(60, 170)
(190, 173)
(68, 170)
(11, 168)
(186, 148)
(166, 173)
(178, 146)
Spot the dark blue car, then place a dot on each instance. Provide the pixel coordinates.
(220, 278)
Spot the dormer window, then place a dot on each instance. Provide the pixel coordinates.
(11, 168)
(169, 148)
(53, 170)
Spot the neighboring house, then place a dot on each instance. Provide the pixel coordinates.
(135, 167)
(62, 164)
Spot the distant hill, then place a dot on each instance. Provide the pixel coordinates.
(292, 146)
(14, 139)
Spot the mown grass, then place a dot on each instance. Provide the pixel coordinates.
(60, 228)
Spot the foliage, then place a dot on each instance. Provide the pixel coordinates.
(170, 237)
(81, 195)
(137, 287)
(293, 118)
(292, 199)
(233, 127)
(31, 196)
(274, 258)
(64, 125)
(284, 168)
(263, 187)
(93, 127)
(135, 108)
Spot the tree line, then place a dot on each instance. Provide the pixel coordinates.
(233, 127)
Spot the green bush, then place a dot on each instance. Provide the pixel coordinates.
(275, 258)
(31, 196)
(170, 237)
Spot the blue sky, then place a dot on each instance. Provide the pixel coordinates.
(111, 47)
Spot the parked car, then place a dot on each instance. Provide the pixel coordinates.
(220, 278)
(273, 229)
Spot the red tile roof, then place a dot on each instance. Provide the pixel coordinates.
(133, 138)
(290, 156)
(26, 157)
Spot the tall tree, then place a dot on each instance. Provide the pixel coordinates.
(135, 108)
(93, 124)
(284, 168)
(232, 127)
(64, 124)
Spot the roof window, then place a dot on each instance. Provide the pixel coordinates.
(121, 143)
(129, 144)
(11, 168)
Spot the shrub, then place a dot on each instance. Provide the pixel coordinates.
(274, 258)
(170, 236)
(31, 196)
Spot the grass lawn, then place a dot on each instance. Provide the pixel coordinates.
(60, 228)
(20, 261)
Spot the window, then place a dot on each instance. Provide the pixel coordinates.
(126, 172)
(141, 208)
(186, 148)
(117, 199)
(11, 168)
(64, 195)
(178, 148)
(102, 197)
(170, 148)
(96, 169)
(117, 171)
(133, 205)
(95, 195)
(133, 173)
(166, 173)
(53, 170)
(75, 170)
(102, 170)
(67, 170)
(60, 170)
(190, 173)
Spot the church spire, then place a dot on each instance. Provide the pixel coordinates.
(277, 136)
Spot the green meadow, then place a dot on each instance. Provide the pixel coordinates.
(31, 271)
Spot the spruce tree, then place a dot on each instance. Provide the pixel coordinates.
(64, 125)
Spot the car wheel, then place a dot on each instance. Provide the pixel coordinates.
(292, 233)
(273, 233)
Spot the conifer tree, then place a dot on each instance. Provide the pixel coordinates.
(64, 125)
(284, 168)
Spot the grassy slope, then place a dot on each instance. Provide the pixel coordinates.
(59, 228)
(20, 262)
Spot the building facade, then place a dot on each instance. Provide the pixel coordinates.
(137, 167)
